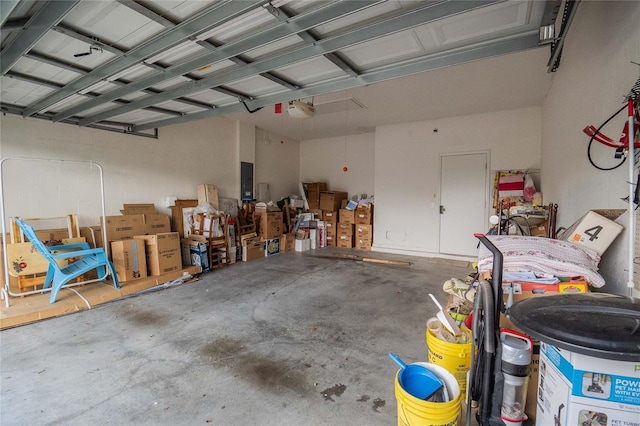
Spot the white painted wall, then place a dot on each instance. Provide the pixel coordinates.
(279, 164)
(136, 169)
(407, 169)
(594, 76)
(323, 160)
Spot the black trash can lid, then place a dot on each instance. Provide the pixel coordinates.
(593, 324)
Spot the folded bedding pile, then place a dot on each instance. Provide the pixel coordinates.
(543, 257)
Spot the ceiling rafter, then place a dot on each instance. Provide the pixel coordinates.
(37, 26)
(310, 38)
(6, 7)
(83, 71)
(112, 126)
(240, 60)
(57, 86)
(510, 45)
(13, 24)
(111, 47)
(148, 54)
(401, 21)
(46, 59)
(144, 10)
(91, 40)
(283, 29)
(34, 80)
(218, 13)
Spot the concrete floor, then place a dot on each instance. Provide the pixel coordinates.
(294, 339)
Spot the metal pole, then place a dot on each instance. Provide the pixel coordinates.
(632, 177)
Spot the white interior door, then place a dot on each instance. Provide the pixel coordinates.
(463, 202)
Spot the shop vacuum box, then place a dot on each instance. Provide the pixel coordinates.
(589, 371)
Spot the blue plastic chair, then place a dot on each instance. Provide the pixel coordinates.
(59, 276)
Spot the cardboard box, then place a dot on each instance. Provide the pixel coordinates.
(332, 200)
(363, 244)
(156, 223)
(303, 245)
(344, 229)
(593, 230)
(364, 214)
(164, 253)
(331, 240)
(313, 193)
(290, 245)
(131, 209)
(330, 216)
(269, 224)
(123, 227)
(364, 231)
(272, 247)
(208, 193)
(180, 222)
(347, 216)
(129, 259)
(577, 389)
(331, 228)
(194, 253)
(252, 250)
(538, 230)
(344, 241)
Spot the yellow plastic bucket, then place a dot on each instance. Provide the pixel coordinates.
(417, 412)
(454, 357)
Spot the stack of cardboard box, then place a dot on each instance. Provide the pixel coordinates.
(364, 226)
(345, 228)
(270, 228)
(330, 220)
(140, 244)
(330, 202)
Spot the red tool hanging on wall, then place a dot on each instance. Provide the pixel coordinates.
(624, 139)
(632, 104)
